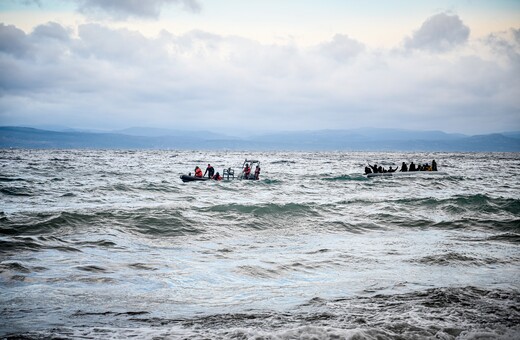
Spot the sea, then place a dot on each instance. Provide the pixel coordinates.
(111, 244)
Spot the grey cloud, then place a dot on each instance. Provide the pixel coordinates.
(124, 9)
(208, 81)
(505, 44)
(13, 40)
(341, 48)
(52, 30)
(28, 2)
(439, 33)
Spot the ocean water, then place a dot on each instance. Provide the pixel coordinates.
(111, 244)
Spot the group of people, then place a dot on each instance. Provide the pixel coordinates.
(404, 168)
(247, 172)
(210, 171)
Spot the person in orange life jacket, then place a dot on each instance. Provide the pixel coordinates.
(217, 177)
(198, 172)
(210, 171)
(257, 172)
(247, 171)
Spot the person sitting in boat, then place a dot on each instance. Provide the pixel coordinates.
(374, 168)
(412, 167)
(381, 170)
(210, 171)
(434, 165)
(198, 172)
(247, 171)
(217, 177)
(257, 172)
(426, 167)
(368, 170)
(393, 170)
(404, 167)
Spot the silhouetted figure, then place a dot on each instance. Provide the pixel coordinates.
(434, 165)
(404, 167)
(412, 167)
(210, 171)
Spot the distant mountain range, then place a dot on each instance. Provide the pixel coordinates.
(367, 139)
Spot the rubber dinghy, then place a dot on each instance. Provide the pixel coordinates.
(187, 178)
(407, 173)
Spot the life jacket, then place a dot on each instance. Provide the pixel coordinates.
(198, 173)
(217, 178)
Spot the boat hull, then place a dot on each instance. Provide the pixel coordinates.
(407, 174)
(186, 178)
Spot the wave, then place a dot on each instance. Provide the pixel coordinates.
(146, 221)
(454, 258)
(283, 162)
(269, 209)
(444, 313)
(29, 244)
(353, 177)
(11, 179)
(16, 191)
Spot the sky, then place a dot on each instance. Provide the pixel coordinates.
(252, 66)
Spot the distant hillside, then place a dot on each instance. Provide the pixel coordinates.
(348, 140)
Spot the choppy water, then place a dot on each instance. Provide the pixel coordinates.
(111, 244)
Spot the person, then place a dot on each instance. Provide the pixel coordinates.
(368, 170)
(434, 165)
(404, 167)
(374, 168)
(412, 167)
(210, 171)
(381, 170)
(217, 177)
(247, 171)
(257, 172)
(393, 170)
(198, 172)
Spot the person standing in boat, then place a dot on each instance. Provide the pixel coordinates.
(404, 167)
(210, 171)
(412, 167)
(247, 171)
(374, 168)
(198, 172)
(434, 165)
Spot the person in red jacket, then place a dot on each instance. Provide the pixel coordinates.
(198, 172)
(217, 177)
(247, 171)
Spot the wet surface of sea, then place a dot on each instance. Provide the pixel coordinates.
(111, 244)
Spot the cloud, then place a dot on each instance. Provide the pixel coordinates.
(341, 48)
(102, 77)
(13, 40)
(439, 33)
(124, 9)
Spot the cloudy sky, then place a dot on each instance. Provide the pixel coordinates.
(261, 65)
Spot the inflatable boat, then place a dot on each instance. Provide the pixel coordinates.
(188, 178)
(407, 174)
